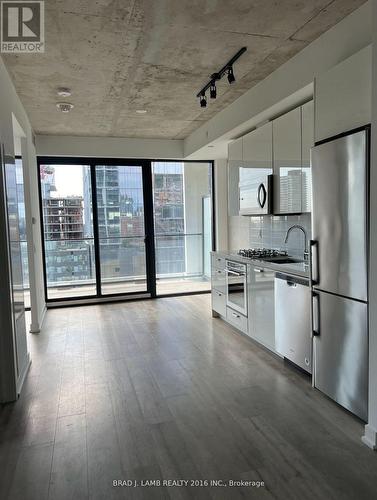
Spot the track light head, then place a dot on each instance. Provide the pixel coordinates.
(203, 101)
(231, 77)
(212, 91)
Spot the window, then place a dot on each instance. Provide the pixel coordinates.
(68, 230)
(97, 239)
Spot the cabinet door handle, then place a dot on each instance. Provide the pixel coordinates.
(259, 270)
(219, 294)
(235, 315)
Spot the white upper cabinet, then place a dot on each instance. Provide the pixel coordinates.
(281, 147)
(257, 147)
(307, 134)
(255, 172)
(287, 163)
(343, 96)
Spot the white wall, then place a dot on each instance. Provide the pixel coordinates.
(370, 437)
(108, 147)
(10, 105)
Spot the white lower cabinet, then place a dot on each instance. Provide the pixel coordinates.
(218, 280)
(219, 302)
(218, 262)
(236, 319)
(218, 283)
(259, 324)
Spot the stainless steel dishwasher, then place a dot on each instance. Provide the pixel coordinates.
(292, 320)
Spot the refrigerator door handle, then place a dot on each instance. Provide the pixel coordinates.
(314, 263)
(315, 311)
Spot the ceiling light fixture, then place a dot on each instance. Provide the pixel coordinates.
(141, 111)
(231, 77)
(64, 107)
(227, 69)
(64, 92)
(213, 91)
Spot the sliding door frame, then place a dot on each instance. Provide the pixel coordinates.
(146, 165)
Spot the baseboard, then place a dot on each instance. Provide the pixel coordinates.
(370, 437)
(21, 379)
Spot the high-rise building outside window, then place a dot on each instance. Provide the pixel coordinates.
(68, 235)
(180, 219)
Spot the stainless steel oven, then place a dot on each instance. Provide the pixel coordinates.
(236, 286)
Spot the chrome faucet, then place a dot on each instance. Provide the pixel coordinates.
(306, 251)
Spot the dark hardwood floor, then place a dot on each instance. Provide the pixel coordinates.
(159, 390)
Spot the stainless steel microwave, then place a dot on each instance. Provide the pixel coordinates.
(255, 191)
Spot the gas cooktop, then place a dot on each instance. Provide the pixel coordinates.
(260, 253)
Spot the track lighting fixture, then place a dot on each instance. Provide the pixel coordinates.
(212, 90)
(231, 77)
(211, 85)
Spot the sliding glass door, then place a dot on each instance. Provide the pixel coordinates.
(121, 229)
(183, 233)
(125, 228)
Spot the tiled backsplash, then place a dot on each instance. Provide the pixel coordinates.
(268, 231)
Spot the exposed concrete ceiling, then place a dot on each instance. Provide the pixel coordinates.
(118, 56)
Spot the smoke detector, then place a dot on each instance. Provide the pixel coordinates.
(64, 107)
(64, 92)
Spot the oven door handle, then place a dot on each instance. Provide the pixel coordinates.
(235, 273)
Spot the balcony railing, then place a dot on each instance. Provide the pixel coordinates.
(71, 262)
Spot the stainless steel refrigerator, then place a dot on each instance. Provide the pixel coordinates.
(14, 356)
(339, 269)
